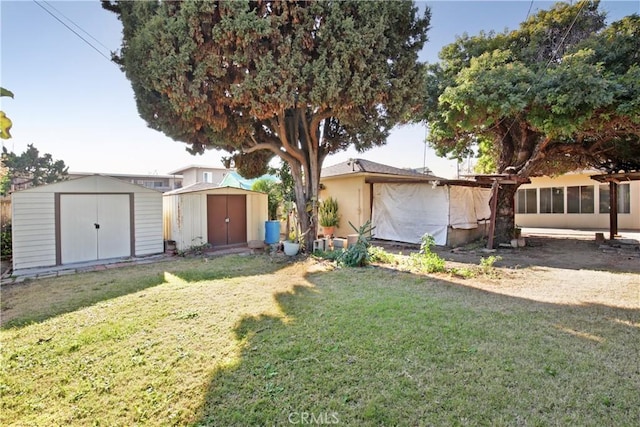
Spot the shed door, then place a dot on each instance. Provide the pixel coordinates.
(226, 219)
(94, 226)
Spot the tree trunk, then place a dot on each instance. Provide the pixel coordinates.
(505, 215)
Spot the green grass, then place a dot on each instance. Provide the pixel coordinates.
(249, 341)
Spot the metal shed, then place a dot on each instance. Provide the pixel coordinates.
(220, 216)
(82, 220)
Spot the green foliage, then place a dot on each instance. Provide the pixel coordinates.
(5, 240)
(426, 261)
(31, 168)
(559, 93)
(298, 80)
(329, 255)
(274, 195)
(378, 254)
(328, 213)
(487, 265)
(357, 255)
(5, 122)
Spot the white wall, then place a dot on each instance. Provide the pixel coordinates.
(148, 223)
(34, 229)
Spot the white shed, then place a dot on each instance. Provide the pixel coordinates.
(85, 219)
(221, 216)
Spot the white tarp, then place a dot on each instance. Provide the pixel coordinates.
(468, 206)
(405, 212)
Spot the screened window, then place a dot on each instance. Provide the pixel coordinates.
(580, 199)
(527, 201)
(624, 198)
(552, 200)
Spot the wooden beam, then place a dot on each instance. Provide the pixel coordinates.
(494, 206)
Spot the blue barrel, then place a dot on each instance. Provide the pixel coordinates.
(272, 232)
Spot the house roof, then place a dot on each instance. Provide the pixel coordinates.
(179, 171)
(362, 166)
(204, 186)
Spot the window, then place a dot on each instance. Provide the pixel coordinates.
(580, 199)
(527, 201)
(207, 177)
(552, 200)
(624, 198)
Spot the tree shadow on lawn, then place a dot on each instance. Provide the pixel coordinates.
(380, 347)
(35, 301)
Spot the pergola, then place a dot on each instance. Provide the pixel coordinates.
(614, 179)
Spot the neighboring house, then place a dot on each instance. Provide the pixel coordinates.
(220, 216)
(83, 220)
(403, 204)
(574, 200)
(160, 183)
(194, 174)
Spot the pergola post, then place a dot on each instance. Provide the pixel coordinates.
(613, 209)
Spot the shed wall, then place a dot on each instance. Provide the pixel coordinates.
(185, 216)
(148, 223)
(34, 218)
(34, 230)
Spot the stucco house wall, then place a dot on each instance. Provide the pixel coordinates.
(596, 219)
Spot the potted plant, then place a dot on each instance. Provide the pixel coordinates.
(329, 217)
(292, 245)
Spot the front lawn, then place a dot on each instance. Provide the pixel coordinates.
(252, 341)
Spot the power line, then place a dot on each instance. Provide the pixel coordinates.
(546, 67)
(529, 11)
(76, 25)
(73, 31)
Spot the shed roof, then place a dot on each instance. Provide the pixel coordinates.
(207, 186)
(90, 184)
(179, 171)
(362, 166)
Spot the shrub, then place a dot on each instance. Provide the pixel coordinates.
(5, 240)
(378, 254)
(357, 255)
(487, 265)
(427, 261)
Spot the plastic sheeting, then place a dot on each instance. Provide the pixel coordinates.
(405, 212)
(468, 205)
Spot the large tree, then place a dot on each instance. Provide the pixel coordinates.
(294, 79)
(562, 92)
(30, 169)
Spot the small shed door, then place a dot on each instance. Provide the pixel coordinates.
(226, 219)
(94, 226)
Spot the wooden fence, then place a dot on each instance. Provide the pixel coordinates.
(5, 209)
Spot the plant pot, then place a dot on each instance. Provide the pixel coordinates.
(328, 231)
(291, 248)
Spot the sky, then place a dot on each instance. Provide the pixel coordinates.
(71, 101)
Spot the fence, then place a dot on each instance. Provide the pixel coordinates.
(5, 210)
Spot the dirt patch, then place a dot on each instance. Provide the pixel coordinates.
(555, 269)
